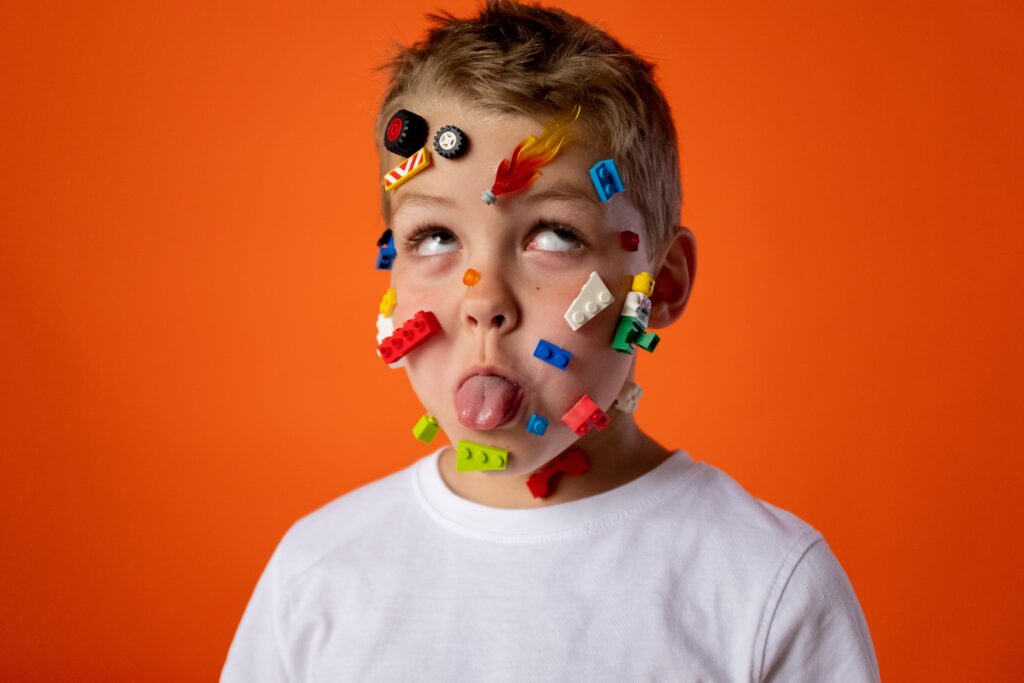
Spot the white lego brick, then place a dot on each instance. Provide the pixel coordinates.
(593, 298)
(628, 397)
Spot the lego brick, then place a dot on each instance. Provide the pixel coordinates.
(605, 176)
(407, 169)
(410, 335)
(571, 461)
(537, 424)
(450, 142)
(470, 277)
(426, 428)
(405, 133)
(388, 303)
(629, 240)
(628, 397)
(643, 283)
(585, 415)
(549, 353)
(593, 298)
(475, 457)
(386, 254)
(386, 328)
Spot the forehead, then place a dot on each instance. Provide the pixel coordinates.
(492, 137)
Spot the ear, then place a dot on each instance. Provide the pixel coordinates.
(674, 279)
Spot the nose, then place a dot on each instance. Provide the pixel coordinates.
(490, 305)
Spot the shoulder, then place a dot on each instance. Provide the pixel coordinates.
(343, 521)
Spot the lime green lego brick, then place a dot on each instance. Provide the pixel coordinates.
(475, 457)
(426, 429)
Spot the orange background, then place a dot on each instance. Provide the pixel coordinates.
(188, 205)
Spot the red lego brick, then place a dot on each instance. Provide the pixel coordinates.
(572, 461)
(411, 334)
(584, 415)
(629, 240)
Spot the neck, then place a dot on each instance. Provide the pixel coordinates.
(618, 454)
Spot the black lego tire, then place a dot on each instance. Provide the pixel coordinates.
(450, 142)
(405, 133)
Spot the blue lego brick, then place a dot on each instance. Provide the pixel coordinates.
(537, 424)
(549, 353)
(386, 255)
(605, 176)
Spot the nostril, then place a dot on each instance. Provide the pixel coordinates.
(498, 320)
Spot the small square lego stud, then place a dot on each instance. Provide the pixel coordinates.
(470, 277)
(629, 240)
(605, 176)
(537, 424)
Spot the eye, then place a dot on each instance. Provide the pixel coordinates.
(431, 240)
(553, 236)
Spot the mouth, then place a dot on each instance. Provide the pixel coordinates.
(487, 398)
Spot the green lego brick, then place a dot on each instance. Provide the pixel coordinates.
(426, 429)
(475, 457)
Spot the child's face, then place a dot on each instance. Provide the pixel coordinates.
(534, 249)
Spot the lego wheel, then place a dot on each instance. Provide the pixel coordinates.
(450, 142)
(406, 132)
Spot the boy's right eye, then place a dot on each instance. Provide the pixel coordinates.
(431, 240)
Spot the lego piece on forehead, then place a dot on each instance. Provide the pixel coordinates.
(470, 277)
(549, 353)
(571, 461)
(629, 240)
(605, 176)
(593, 298)
(407, 169)
(426, 428)
(475, 457)
(405, 133)
(410, 335)
(450, 142)
(528, 156)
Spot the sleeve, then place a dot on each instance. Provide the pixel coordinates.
(818, 631)
(257, 652)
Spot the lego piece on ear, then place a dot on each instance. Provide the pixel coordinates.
(571, 461)
(629, 240)
(407, 169)
(405, 133)
(555, 355)
(426, 429)
(450, 142)
(605, 176)
(593, 298)
(475, 457)
(410, 335)
(537, 424)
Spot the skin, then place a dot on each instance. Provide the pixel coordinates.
(530, 274)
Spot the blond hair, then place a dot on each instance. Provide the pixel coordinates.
(538, 61)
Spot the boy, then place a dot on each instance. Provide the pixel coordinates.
(556, 541)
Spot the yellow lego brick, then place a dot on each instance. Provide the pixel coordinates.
(388, 303)
(474, 457)
(643, 283)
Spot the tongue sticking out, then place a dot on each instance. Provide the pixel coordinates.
(485, 401)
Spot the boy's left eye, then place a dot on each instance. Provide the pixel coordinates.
(555, 237)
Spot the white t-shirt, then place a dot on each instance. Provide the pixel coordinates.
(678, 575)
